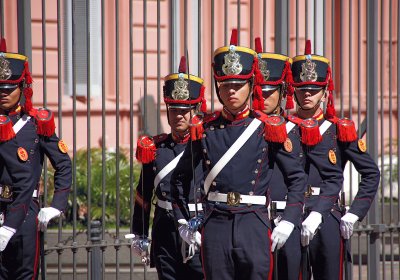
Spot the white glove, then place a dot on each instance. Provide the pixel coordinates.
(188, 235)
(140, 247)
(280, 234)
(45, 215)
(346, 224)
(5, 235)
(309, 227)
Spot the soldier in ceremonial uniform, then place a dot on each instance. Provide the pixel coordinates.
(35, 135)
(184, 96)
(331, 143)
(270, 89)
(237, 149)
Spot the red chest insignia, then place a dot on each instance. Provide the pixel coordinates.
(22, 154)
(62, 146)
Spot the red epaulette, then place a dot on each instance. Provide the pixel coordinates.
(6, 128)
(196, 125)
(309, 129)
(146, 149)
(345, 129)
(45, 121)
(275, 127)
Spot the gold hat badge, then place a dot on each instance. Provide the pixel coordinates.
(262, 64)
(180, 91)
(5, 71)
(232, 64)
(308, 73)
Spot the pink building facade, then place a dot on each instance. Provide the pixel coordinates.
(214, 32)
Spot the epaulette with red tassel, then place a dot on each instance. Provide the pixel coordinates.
(196, 125)
(6, 129)
(309, 129)
(45, 122)
(275, 127)
(196, 128)
(146, 149)
(345, 129)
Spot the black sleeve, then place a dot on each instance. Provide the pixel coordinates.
(331, 176)
(61, 163)
(143, 198)
(370, 177)
(292, 169)
(23, 184)
(181, 180)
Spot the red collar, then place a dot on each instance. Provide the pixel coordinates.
(15, 112)
(318, 117)
(180, 139)
(239, 116)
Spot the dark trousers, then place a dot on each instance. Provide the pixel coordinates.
(236, 245)
(289, 257)
(326, 250)
(20, 259)
(166, 250)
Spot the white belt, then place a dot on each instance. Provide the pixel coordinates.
(234, 199)
(280, 205)
(192, 207)
(168, 205)
(164, 204)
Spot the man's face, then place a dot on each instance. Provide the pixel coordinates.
(234, 95)
(179, 119)
(308, 99)
(271, 100)
(9, 98)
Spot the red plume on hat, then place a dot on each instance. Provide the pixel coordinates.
(234, 37)
(3, 45)
(258, 45)
(307, 49)
(182, 65)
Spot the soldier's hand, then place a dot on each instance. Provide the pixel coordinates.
(140, 247)
(5, 235)
(187, 233)
(346, 225)
(309, 227)
(281, 234)
(45, 215)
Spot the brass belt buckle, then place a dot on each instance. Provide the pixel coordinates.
(233, 198)
(6, 192)
(309, 191)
